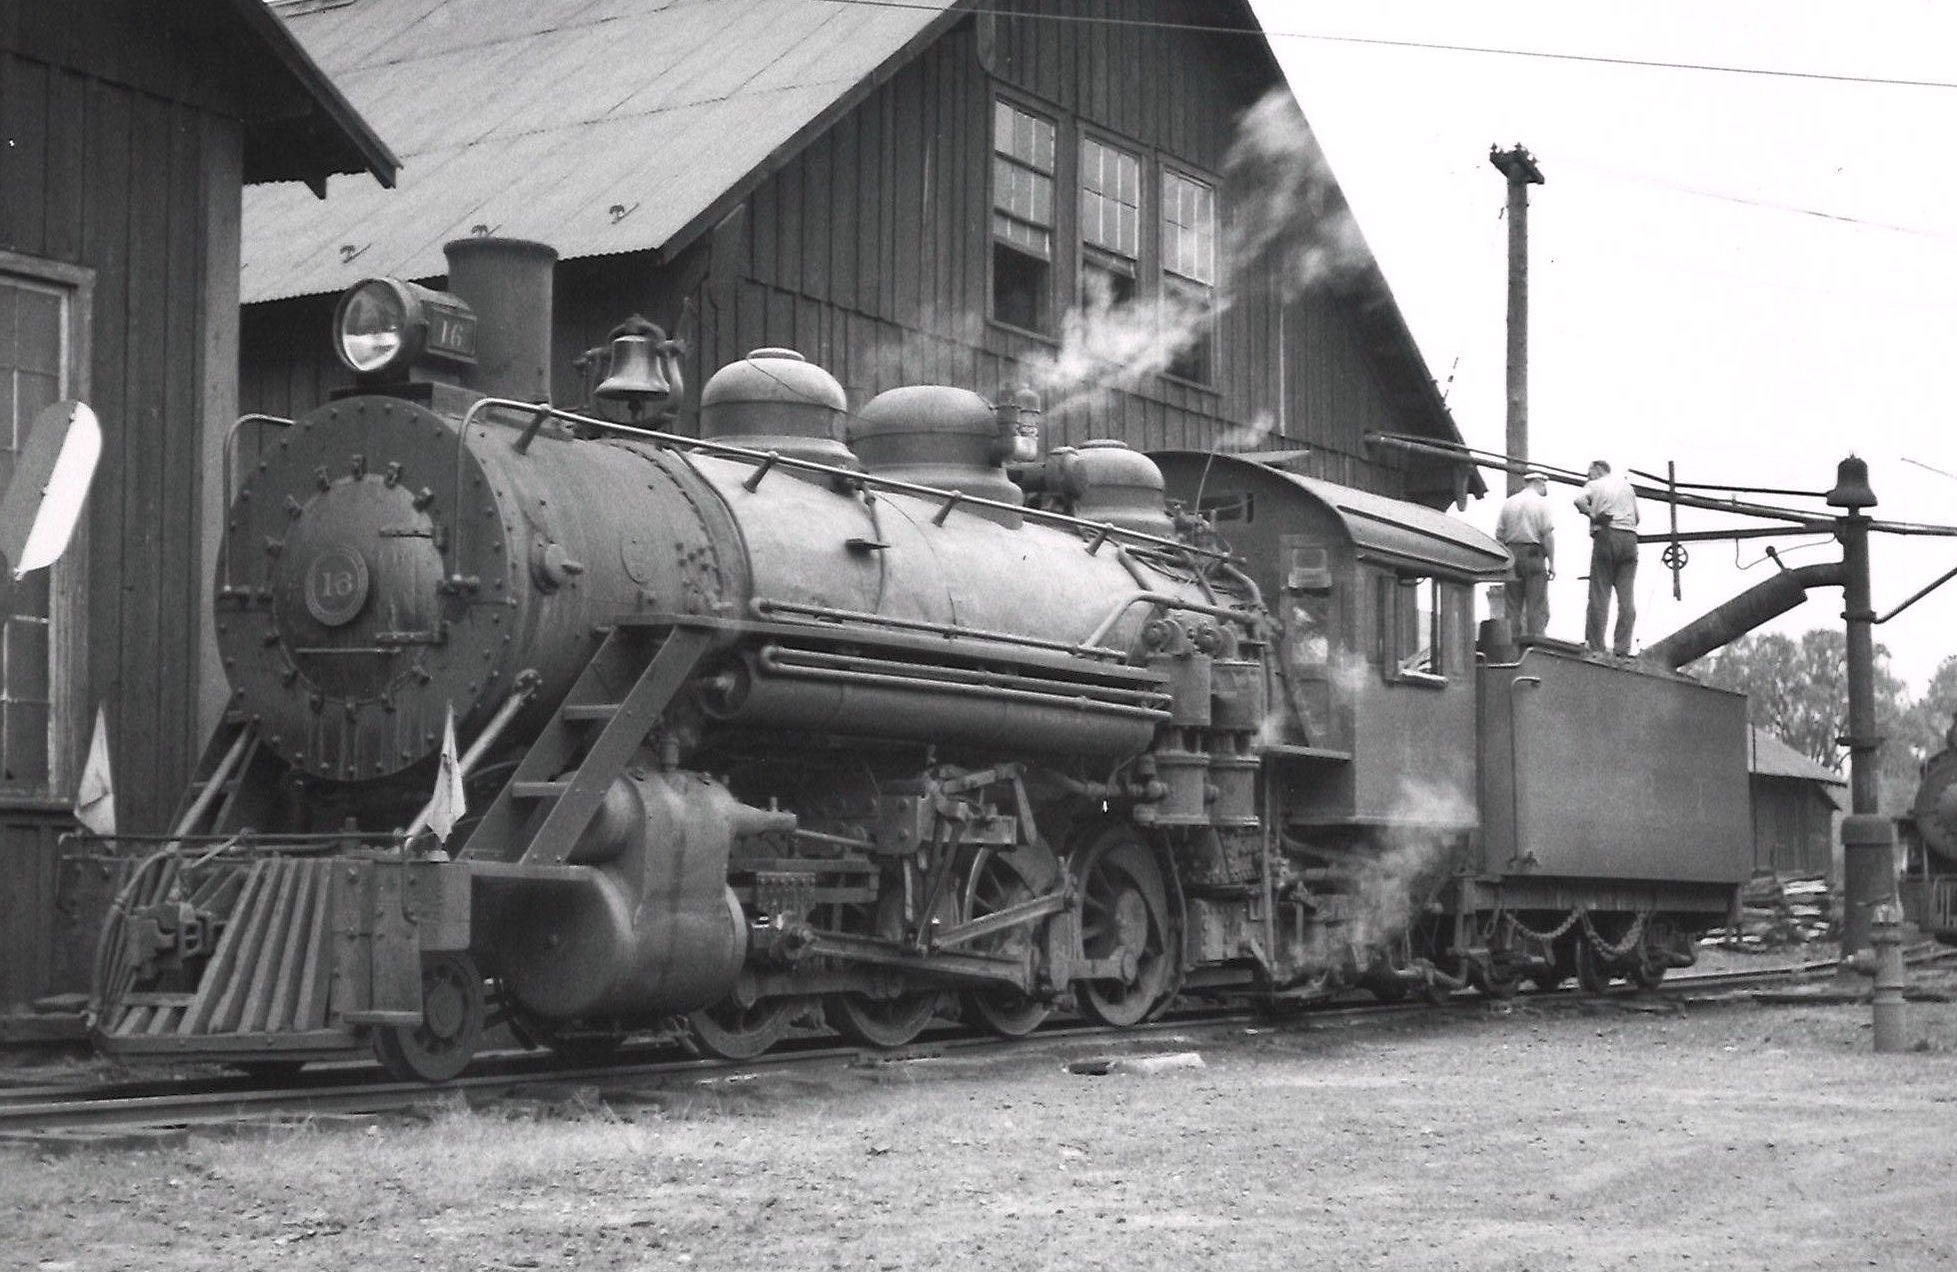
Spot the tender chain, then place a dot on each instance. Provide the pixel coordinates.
(1631, 939)
(1545, 937)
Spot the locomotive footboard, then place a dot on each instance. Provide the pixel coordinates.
(270, 954)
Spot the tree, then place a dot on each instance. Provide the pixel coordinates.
(1797, 689)
(1931, 719)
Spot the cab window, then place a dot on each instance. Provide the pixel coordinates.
(1412, 627)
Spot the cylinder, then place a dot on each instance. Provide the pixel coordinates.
(654, 931)
(508, 284)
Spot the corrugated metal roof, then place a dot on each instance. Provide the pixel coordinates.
(1773, 758)
(538, 119)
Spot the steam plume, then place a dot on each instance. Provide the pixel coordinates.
(1387, 882)
(1291, 222)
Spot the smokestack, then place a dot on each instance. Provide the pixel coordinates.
(508, 283)
(1519, 167)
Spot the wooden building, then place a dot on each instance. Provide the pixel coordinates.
(982, 195)
(1796, 804)
(130, 128)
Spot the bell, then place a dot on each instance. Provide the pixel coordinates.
(636, 378)
(1019, 426)
(1852, 486)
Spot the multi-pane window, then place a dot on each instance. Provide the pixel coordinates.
(1189, 270)
(1110, 223)
(1023, 149)
(34, 359)
(1088, 215)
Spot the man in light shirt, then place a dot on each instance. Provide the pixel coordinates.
(1523, 527)
(1613, 511)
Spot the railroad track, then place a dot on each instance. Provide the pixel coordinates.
(28, 1114)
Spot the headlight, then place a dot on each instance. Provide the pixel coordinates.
(382, 327)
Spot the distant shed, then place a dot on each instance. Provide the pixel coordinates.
(1795, 802)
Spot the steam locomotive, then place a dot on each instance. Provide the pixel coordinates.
(1928, 887)
(859, 720)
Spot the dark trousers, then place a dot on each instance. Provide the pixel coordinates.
(1613, 568)
(1527, 591)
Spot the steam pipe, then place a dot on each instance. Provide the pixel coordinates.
(1759, 604)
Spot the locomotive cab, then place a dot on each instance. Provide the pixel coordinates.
(1373, 600)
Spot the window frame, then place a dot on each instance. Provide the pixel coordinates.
(68, 713)
(1064, 216)
(1167, 168)
(1086, 253)
(1068, 267)
(1403, 629)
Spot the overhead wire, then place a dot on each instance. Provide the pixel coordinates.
(1205, 28)
(1744, 201)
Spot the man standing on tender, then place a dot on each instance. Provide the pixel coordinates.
(1523, 527)
(1613, 511)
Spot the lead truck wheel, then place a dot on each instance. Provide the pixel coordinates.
(442, 1045)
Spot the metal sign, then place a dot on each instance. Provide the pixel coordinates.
(44, 500)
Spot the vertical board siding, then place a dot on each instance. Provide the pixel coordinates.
(181, 589)
(147, 317)
(883, 226)
(31, 940)
(114, 179)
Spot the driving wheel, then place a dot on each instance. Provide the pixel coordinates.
(1124, 915)
(885, 1020)
(733, 1032)
(998, 881)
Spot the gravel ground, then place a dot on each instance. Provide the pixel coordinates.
(1633, 1134)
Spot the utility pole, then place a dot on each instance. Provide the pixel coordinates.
(1519, 167)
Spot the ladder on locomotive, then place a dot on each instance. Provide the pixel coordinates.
(231, 785)
(562, 778)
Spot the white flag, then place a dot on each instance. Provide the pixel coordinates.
(448, 805)
(95, 796)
